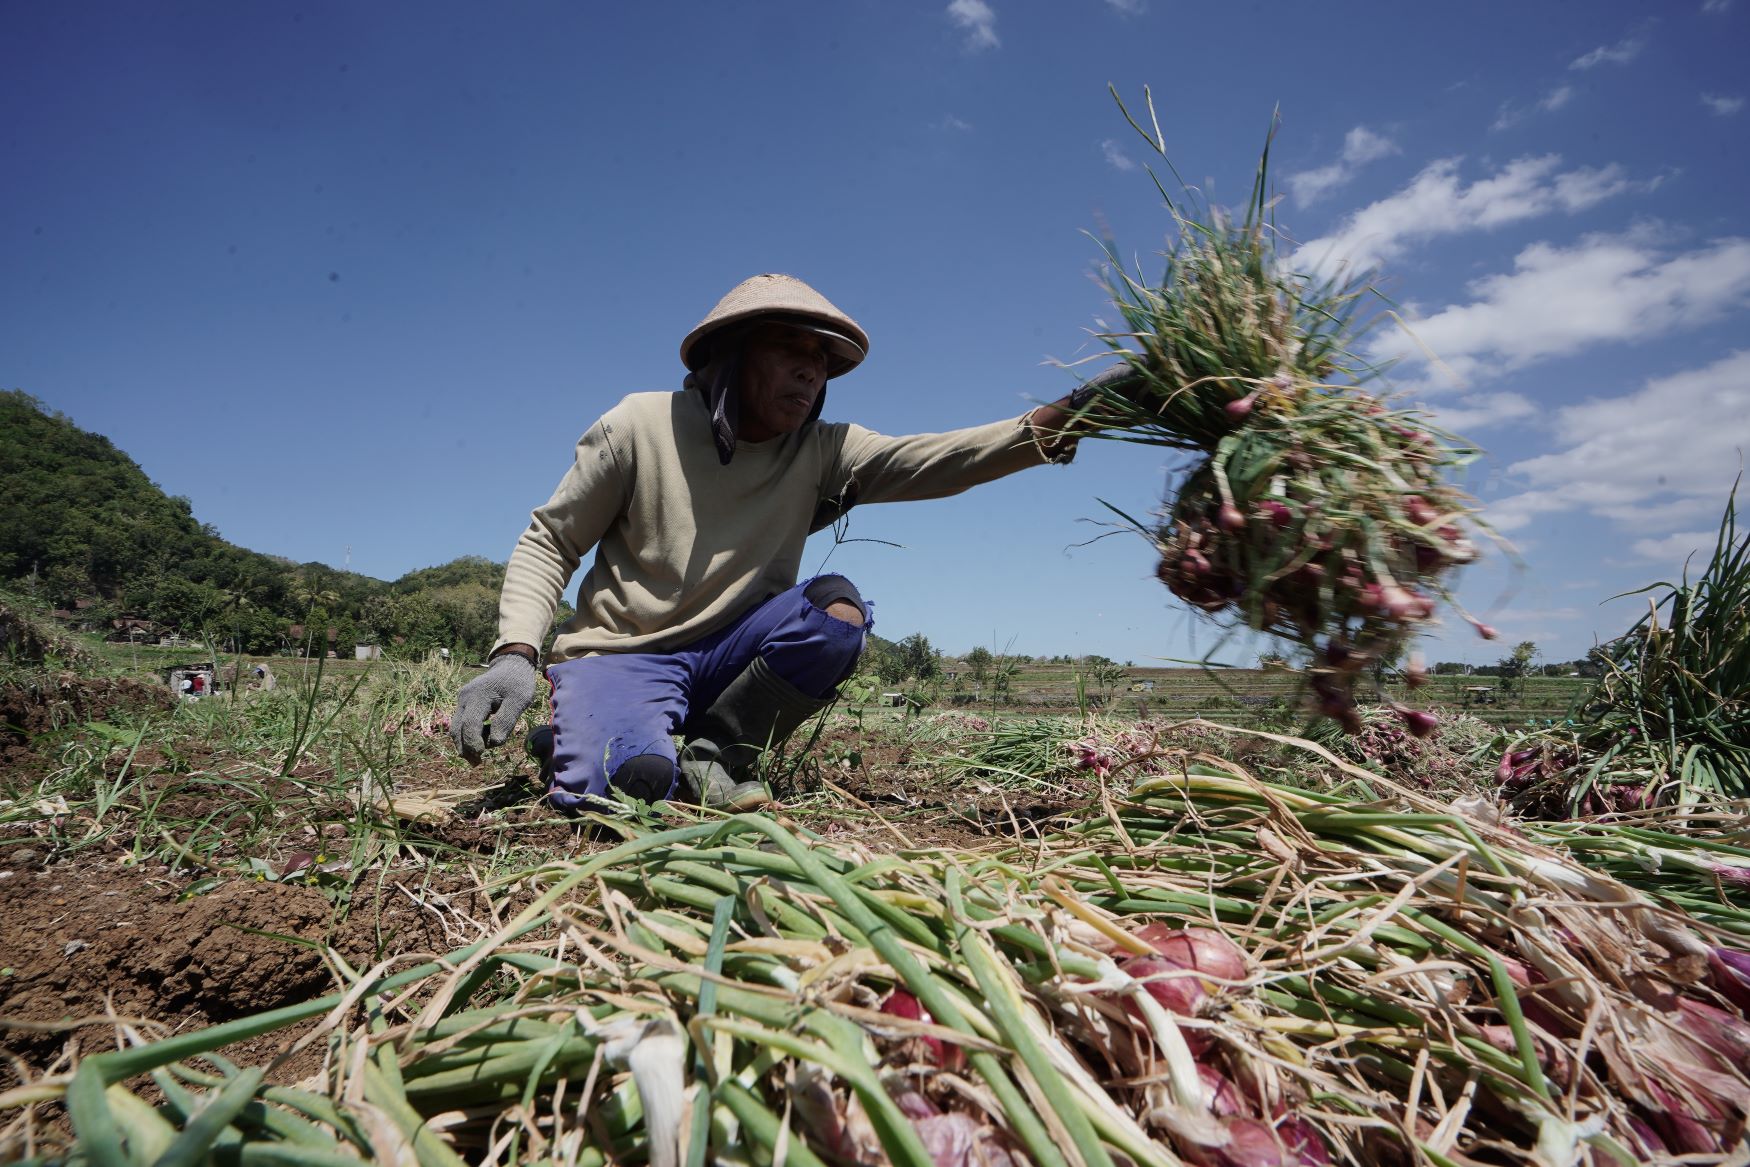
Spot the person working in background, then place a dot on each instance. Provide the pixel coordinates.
(691, 619)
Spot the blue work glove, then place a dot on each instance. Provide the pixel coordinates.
(502, 693)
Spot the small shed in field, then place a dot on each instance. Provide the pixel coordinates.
(201, 676)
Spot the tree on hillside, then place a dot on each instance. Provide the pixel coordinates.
(882, 660)
(312, 589)
(253, 630)
(469, 569)
(978, 663)
(920, 660)
(470, 611)
(180, 603)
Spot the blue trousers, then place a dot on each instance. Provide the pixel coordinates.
(609, 709)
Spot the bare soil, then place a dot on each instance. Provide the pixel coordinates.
(90, 937)
(89, 941)
(38, 705)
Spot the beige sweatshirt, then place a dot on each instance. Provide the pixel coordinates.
(684, 545)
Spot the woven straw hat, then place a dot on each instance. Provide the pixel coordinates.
(786, 300)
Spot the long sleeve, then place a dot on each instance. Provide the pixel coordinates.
(588, 500)
(872, 467)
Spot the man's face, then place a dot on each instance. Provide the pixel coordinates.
(783, 371)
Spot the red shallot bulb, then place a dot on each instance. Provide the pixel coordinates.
(1168, 982)
(1224, 1097)
(901, 1003)
(1419, 722)
(1202, 949)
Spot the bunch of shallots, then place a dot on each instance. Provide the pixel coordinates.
(1312, 509)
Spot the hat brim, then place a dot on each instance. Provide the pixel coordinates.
(844, 351)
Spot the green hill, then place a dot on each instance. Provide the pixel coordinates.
(82, 527)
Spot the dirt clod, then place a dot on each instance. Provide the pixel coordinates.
(77, 938)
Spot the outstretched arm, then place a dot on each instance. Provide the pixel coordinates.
(872, 468)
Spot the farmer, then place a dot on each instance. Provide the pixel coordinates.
(690, 620)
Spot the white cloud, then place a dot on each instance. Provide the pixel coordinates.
(1518, 511)
(1310, 185)
(1511, 115)
(950, 122)
(1675, 548)
(1480, 410)
(1115, 155)
(1665, 453)
(1715, 5)
(1127, 7)
(1621, 53)
(1360, 146)
(1661, 516)
(1721, 104)
(1556, 301)
(978, 20)
(1436, 203)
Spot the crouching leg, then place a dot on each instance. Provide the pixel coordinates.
(804, 643)
(611, 726)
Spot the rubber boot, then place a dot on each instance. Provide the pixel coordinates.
(759, 710)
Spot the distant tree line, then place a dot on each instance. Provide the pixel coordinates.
(82, 527)
(1524, 661)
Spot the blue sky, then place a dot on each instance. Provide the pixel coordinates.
(357, 275)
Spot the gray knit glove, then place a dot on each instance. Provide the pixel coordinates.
(502, 693)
